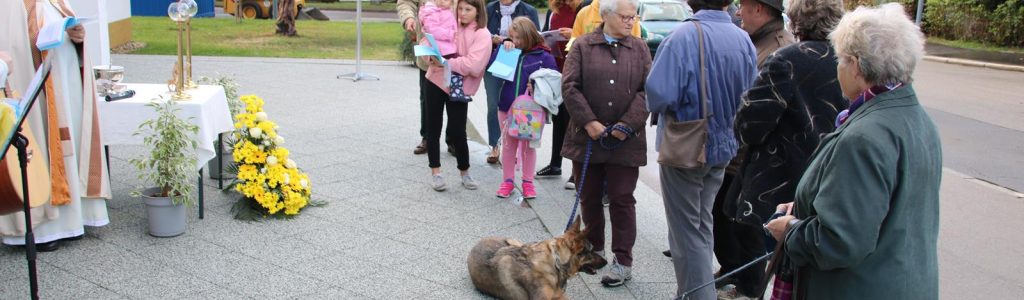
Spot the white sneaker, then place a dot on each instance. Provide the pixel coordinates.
(469, 183)
(617, 275)
(569, 185)
(438, 183)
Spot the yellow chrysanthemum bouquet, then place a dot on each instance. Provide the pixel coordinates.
(268, 180)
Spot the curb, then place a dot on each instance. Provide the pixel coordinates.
(974, 63)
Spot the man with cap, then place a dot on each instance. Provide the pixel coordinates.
(738, 243)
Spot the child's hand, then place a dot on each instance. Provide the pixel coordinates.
(496, 39)
(509, 45)
(566, 32)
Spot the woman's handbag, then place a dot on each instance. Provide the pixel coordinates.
(683, 142)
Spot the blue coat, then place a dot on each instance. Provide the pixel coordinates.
(674, 81)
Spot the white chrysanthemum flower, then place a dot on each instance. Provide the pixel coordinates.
(271, 160)
(279, 140)
(290, 164)
(304, 183)
(261, 116)
(256, 132)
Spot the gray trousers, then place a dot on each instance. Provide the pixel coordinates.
(689, 196)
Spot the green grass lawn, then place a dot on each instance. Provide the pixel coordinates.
(225, 37)
(343, 5)
(973, 45)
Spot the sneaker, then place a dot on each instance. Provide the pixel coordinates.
(421, 148)
(604, 200)
(550, 171)
(469, 183)
(617, 275)
(438, 183)
(506, 188)
(730, 292)
(569, 185)
(529, 191)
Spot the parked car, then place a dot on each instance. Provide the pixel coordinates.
(252, 9)
(660, 17)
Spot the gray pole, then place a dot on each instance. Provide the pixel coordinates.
(920, 12)
(359, 75)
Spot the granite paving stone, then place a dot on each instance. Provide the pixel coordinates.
(384, 234)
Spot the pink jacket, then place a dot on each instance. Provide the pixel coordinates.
(473, 45)
(441, 23)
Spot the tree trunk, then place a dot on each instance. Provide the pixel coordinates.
(286, 17)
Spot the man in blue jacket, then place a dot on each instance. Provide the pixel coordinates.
(673, 87)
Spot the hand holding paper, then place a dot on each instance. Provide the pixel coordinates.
(52, 34)
(433, 50)
(505, 63)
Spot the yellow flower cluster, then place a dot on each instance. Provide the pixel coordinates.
(265, 173)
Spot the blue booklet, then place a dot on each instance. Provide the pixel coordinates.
(505, 63)
(52, 34)
(433, 50)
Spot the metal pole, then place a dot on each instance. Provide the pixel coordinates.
(21, 143)
(359, 75)
(920, 12)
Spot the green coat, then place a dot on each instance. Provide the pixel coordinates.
(869, 206)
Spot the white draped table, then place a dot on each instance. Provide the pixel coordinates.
(207, 109)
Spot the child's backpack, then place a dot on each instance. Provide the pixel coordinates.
(526, 119)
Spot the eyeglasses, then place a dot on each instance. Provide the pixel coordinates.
(627, 19)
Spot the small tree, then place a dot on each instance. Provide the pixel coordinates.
(171, 163)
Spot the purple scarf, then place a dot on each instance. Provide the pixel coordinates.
(863, 98)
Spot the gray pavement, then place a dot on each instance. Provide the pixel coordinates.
(384, 233)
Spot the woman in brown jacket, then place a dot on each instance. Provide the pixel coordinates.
(603, 89)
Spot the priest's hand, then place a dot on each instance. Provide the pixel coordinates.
(77, 33)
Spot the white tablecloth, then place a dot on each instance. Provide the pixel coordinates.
(208, 108)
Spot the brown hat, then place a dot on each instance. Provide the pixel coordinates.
(776, 4)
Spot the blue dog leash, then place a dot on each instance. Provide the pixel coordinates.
(586, 162)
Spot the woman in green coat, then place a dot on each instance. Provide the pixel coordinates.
(865, 221)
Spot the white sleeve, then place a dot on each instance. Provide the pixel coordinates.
(3, 73)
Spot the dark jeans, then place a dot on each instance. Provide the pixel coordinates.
(621, 208)
(736, 244)
(436, 100)
(561, 123)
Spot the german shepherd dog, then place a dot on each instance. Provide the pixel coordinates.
(508, 269)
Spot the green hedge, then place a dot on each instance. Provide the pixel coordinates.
(997, 22)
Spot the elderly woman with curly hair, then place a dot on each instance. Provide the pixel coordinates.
(865, 218)
(792, 104)
(865, 221)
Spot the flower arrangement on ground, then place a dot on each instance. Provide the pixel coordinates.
(270, 182)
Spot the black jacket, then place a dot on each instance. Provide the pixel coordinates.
(791, 106)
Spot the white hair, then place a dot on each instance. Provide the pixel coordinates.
(611, 6)
(887, 43)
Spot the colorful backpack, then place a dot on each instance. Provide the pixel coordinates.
(526, 119)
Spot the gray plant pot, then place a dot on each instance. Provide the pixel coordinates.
(165, 218)
(221, 171)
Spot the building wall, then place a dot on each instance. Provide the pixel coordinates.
(111, 26)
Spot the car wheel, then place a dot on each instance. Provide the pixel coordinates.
(250, 11)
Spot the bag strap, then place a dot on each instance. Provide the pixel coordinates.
(519, 73)
(703, 70)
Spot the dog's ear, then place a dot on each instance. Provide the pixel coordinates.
(574, 229)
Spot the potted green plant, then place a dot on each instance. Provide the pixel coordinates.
(170, 167)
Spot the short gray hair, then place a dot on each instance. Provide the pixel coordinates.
(610, 6)
(887, 43)
(814, 19)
